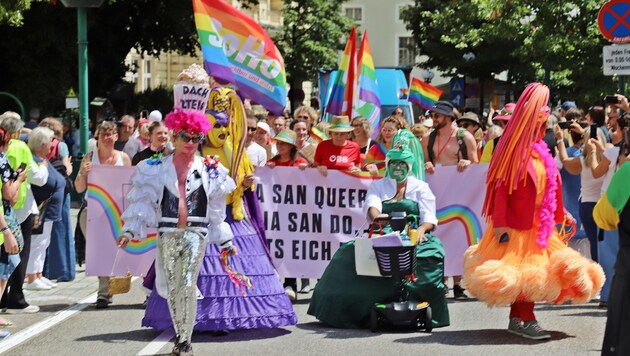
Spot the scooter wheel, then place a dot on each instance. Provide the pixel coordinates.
(428, 320)
(373, 320)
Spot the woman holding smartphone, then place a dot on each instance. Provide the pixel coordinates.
(591, 185)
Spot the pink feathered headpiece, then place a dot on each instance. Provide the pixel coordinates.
(189, 121)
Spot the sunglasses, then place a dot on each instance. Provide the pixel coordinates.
(303, 117)
(465, 124)
(186, 138)
(251, 129)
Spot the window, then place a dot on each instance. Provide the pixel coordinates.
(354, 13)
(407, 52)
(147, 74)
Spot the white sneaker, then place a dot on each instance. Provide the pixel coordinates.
(48, 282)
(290, 293)
(37, 284)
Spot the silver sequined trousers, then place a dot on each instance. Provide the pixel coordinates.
(182, 252)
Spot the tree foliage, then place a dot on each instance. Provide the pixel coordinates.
(528, 38)
(309, 38)
(39, 58)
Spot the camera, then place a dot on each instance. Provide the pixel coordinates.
(611, 99)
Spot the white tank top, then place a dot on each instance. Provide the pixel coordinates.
(119, 160)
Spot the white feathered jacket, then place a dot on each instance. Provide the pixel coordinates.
(156, 179)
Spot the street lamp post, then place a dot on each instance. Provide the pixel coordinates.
(82, 44)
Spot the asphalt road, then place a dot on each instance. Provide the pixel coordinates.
(474, 330)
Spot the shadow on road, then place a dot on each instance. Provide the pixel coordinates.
(478, 337)
(552, 307)
(198, 336)
(239, 335)
(330, 332)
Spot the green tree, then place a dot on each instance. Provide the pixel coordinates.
(39, 58)
(309, 38)
(534, 40)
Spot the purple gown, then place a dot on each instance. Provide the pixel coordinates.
(223, 306)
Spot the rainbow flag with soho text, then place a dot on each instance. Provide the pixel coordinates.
(423, 94)
(237, 49)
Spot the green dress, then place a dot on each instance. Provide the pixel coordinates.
(343, 299)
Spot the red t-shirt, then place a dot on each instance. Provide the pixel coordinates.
(335, 157)
(297, 163)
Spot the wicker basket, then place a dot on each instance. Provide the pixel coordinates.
(119, 285)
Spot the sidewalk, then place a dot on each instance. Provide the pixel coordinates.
(66, 292)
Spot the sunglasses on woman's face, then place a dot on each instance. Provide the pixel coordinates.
(251, 129)
(186, 138)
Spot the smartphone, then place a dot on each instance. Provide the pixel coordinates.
(565, 125)
(611, 99)
(22, 167)
(593, 131)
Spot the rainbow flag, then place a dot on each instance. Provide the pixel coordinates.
(423, 94)
(343, 92)
(369, 105)
(237, 49)
(318, 135)
(377, 155)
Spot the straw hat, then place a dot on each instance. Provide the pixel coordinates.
(340, 124)
(286, 136)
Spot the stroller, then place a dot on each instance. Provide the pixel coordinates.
(398, 262)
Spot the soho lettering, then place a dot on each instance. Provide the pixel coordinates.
(249, 53)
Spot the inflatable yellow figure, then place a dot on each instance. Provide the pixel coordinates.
(227, 140)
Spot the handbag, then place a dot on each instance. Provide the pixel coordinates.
(38, 221)
(118, 285)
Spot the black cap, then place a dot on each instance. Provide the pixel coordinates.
(443, 107)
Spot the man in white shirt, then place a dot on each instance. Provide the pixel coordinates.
(256, 153)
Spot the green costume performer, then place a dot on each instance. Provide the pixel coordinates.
(342, 298)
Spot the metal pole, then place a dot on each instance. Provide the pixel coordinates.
(622, 85)
(82, 44)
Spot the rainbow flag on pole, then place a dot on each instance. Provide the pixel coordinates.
(237, 49)
(423, 94)
(369, 105)
(343, 92)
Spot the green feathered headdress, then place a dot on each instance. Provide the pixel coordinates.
(407, 148)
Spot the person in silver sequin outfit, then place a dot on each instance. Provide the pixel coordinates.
(184, 196)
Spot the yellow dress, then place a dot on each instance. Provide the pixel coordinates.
(501, 273)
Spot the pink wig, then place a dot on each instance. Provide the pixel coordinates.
(189, 121)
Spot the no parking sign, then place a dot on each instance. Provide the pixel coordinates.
(614, 21)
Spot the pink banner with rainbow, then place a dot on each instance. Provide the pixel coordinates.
(459, 198)
(107, 187)
(308, 216)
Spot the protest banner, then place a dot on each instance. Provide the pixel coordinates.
(307, 216)
(459, 198)
(107, 186)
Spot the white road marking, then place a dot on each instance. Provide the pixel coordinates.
(35, 329)
(158, 343)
